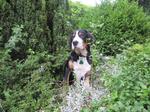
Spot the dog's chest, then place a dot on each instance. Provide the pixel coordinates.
(81, 67)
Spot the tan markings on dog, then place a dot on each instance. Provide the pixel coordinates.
(87, 79)
(70, 64)
(77, 50)
(84, 52)
(85, 45)
(81, 51)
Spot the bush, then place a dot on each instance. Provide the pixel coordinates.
(32, 52)
(129, 86)
(77, 14)
(117, 25)
(30, 84)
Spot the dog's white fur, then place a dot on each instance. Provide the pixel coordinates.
(81, 69)
(79, 40)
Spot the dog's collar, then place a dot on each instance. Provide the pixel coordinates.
(81, 60)
(74, 57)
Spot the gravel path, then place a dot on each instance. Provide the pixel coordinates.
(78, 97)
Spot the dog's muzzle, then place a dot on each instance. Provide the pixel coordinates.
(75, 43)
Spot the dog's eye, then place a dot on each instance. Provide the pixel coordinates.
(81, 34)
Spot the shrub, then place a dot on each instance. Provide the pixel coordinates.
(117, 25)
(129, 85)
(30, 84)
(17, 37)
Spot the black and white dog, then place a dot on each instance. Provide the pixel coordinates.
(78, 65)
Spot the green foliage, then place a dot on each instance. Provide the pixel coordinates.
(117, 26)
(77, 14)
(33, 31)
(18, 37)
(37, 18)
(129, 87)
(0, 36)
(145, 4)
(29, 85)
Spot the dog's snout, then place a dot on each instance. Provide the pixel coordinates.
(75, 43)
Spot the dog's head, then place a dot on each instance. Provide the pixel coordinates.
(80, 39)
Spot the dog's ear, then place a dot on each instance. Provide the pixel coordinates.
(71, 39)
(90, 37)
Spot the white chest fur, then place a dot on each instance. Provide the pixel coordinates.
(81, 67)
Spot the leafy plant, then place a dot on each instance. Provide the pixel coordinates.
(129, 85)
(17, 37)
(1, 37)
(29, 85)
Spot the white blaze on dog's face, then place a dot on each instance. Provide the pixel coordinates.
(80, 39)
(77, 41)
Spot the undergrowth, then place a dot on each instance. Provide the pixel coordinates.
(129, 85)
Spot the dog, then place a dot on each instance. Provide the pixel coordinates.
(79, 63)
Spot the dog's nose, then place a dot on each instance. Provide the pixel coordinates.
(75, 43)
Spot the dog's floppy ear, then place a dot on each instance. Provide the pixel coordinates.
(90, 38)
(71, 39)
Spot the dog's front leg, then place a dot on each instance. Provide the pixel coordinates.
(87, 79)
(68, 75)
